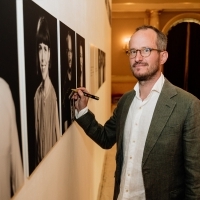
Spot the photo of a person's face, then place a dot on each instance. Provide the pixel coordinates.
(69, 50)
(42, 83)
(81, 57)
(101, 67)
(44, 57)
(68, 74)
(80, 52)
(11, 146)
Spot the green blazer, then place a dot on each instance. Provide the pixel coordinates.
(171, 158)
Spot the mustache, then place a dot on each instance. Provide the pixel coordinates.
(140, 63)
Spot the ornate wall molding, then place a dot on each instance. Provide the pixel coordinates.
(142, 7)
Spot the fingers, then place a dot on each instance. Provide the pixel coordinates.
(81, 101)
(82, 89)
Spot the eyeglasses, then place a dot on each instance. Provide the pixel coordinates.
(144, 52)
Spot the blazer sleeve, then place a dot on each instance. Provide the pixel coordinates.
(104, 136)
(191, 148)
(112, 131)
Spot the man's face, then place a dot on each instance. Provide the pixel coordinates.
(69, 51)
(81, 57)
(144, 68)
(44, 57)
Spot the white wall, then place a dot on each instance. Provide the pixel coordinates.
(72, 170)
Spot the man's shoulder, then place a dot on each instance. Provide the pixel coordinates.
(128, 94)
(177, 92)
(127, 98)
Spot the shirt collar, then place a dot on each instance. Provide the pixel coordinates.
(157, 86)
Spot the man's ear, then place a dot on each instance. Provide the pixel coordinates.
(163, 57)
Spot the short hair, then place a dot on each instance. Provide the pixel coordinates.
(42, 36)
(161, 37)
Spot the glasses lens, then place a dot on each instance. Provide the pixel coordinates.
(133, 53)
(145, 52)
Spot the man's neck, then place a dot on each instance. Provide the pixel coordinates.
(146, 86)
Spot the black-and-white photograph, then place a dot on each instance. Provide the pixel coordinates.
(101, 67)
(41, 71)
(109, 12)
(68, 74)
(80, 47)
(11, 167)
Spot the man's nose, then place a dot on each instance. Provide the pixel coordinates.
(138, 56)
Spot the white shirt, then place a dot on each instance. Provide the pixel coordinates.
(135, 134)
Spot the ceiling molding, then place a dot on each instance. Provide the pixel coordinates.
(142, 7)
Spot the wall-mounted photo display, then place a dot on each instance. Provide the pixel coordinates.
(109, 12)
(95, 57)
(101, 67)
(11, 168)
(68, 74)
(93, 88)
(41, 71)
(80, 48)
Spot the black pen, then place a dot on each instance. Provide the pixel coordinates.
(87, 94)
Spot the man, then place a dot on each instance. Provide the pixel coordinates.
(11, 171)
(69, 83)
(156, 127)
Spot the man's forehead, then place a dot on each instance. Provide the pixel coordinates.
(143, 37)
(144, 33)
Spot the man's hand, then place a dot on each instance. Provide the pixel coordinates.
(81, 101)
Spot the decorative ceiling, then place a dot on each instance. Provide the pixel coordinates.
(164, 5)
(155, 1)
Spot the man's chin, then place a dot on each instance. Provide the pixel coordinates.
(141, 77)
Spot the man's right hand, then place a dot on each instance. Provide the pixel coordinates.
(81, 101)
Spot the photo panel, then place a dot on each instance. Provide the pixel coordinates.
(68, 74)
(8, 52)
(109, 12)
(42, 91)
(96, 68)
(101, 67)
(80, 48)
(92, 69)
(10, 120)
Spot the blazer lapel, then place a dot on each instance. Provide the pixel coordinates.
(162, 112)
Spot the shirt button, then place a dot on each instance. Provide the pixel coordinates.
(133, 141)
(126, 190)
(130, 157)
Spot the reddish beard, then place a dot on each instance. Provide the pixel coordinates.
(150, 71)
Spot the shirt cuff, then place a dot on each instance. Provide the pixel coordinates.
(81, 112)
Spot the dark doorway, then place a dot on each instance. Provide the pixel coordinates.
(183, 65)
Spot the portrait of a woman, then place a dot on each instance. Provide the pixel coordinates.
(47, 130)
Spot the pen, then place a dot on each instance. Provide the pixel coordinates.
(87, 94)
